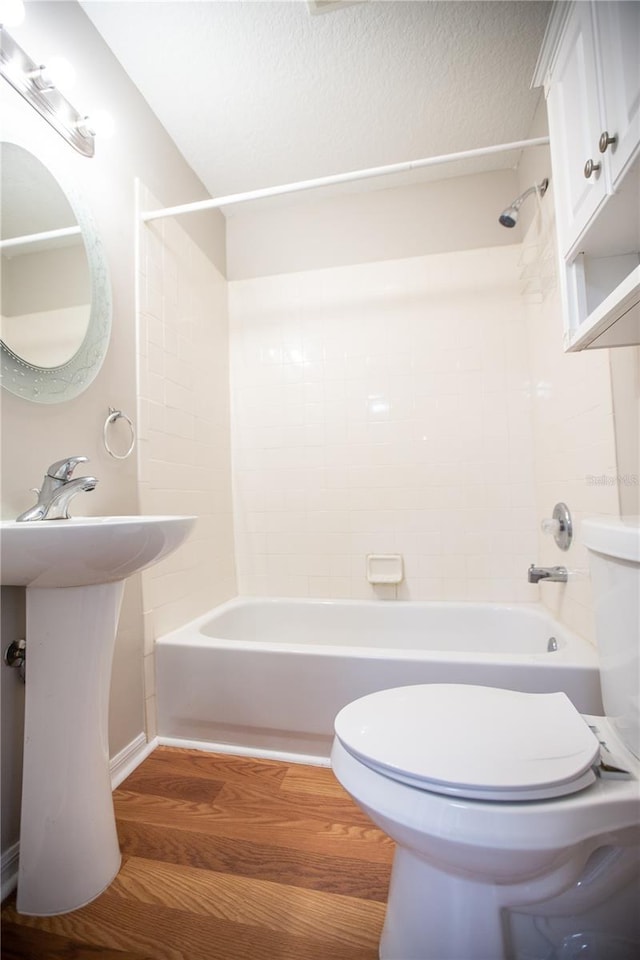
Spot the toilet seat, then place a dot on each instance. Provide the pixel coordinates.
(482, 743)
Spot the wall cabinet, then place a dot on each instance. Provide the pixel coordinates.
(617, 27)
(590, 68)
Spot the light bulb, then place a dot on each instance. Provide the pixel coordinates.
(11, 12)
(60, 73)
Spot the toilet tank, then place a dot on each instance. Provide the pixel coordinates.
(614, 562)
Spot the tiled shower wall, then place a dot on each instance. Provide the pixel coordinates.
(384, 408)
(183, 414)
(575, 462)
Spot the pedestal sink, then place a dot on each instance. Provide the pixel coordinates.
(74, 572)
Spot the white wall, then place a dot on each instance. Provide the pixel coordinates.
(625, 387)
(312, 231)
(574, 442)
(383, 408)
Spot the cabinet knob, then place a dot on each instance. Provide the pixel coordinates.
(590, 168)
(606, 141)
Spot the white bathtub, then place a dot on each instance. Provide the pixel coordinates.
(270, 675)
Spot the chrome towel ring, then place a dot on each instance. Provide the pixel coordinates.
(111, 419)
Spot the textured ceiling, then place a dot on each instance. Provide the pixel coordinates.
(262, 93)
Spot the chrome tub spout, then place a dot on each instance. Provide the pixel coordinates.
(552, 574)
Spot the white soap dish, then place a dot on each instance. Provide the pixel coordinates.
(384, 568)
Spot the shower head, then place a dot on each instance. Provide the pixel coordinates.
(509, 217)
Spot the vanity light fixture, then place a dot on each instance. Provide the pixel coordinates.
(57, 72)
(99, 124)
(34, 83)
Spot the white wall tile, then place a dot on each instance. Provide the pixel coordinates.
(369, 398)
(413, 406)
(574, 443)
(184, 449)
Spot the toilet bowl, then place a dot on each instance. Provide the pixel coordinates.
(460, 860)
(502, 801)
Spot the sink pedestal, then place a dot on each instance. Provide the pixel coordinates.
(74, 571)
(69, 847)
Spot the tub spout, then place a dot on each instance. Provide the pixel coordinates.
(553, 574)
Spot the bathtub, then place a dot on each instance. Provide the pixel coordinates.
(268, 676)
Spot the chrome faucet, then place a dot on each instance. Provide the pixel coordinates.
(553, 574)
(58, 490)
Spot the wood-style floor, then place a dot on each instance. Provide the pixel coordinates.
(226, 858)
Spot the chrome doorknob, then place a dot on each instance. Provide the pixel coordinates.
(606, 141)
(590, 168)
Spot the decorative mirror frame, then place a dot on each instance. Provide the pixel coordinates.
(57, 384)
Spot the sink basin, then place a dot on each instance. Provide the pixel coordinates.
(74, 572)
(85, 550)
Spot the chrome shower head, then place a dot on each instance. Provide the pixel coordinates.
(509, 217)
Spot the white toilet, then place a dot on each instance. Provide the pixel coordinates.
(502, 801)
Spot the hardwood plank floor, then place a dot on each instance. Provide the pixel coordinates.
(226, 858)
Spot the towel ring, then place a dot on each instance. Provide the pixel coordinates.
(111, 419)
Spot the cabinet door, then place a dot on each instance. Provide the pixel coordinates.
(575, 126)
(618, 27)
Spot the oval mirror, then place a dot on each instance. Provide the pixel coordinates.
(55, 319)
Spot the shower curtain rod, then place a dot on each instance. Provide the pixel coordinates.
(215, 203)
(37, 237)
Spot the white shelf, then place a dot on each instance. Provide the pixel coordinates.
(615, 322)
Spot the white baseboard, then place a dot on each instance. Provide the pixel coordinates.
(120, 767)
(211, 747)
(129, 758)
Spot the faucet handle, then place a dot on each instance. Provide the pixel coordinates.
(62, 469)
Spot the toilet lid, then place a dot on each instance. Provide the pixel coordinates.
(478, 742)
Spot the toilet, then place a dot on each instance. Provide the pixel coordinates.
(506, 804)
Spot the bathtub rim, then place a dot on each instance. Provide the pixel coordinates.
(574, 651)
